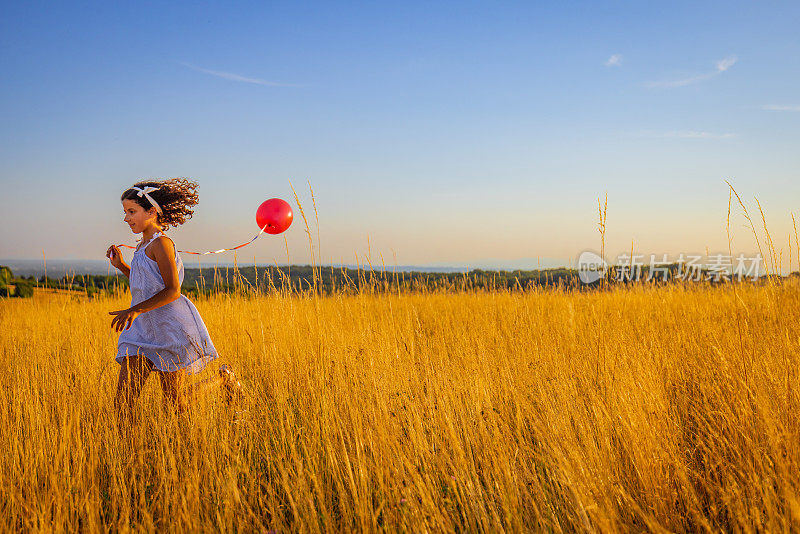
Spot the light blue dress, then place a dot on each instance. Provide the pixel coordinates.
(172, 336)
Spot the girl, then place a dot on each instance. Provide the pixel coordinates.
(162, 331)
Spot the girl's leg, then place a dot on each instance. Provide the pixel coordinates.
(132, 376)
(182, 395)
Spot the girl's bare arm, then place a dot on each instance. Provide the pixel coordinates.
(126, 270)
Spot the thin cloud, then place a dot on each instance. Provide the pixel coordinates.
(614, 61)
(237, 77)
(719, 67)
(726, 63)
(771, 107)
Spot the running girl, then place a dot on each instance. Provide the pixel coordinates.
(162, 331)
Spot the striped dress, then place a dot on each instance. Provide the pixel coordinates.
(172, 336)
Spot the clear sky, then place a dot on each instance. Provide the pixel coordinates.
(445, 133)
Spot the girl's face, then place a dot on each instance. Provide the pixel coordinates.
(137, 217)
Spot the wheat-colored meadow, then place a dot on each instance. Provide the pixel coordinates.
(630, 409)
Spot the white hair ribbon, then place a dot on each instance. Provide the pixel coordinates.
(149, 189)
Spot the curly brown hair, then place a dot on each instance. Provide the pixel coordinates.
(175, 196)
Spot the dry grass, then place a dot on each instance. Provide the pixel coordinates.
(622, 410)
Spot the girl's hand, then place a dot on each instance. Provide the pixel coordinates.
(123, 319)
(115, 256)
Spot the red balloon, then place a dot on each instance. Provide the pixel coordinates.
(275, 214)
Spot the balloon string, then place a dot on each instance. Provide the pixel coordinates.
(214, 251)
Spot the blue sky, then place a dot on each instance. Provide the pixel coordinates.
(451, 133)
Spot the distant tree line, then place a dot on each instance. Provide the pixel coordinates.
(327, 280)
(14, 287)
(91, 285)
(296, 279)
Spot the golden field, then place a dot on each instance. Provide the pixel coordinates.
(671, 408)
